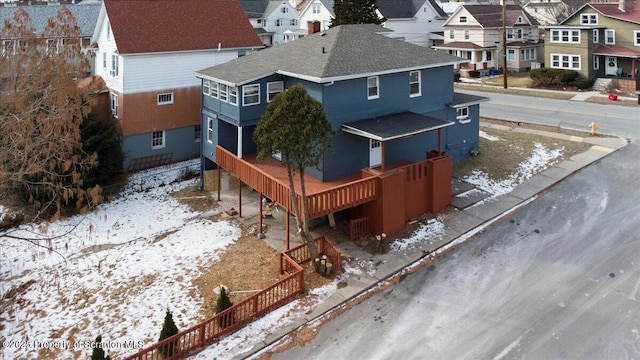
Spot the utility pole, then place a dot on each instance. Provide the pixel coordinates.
(504, 43)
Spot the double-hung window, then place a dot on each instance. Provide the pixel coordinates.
(206, 85)
(157, 139)
(511, 55)
(210, 123)
(223, 92)
(596, 36)
(214, 89)
(114, 105)
(250, 94)
(589, 19)
(414, 84)
(273, 89)
(462, 115)
(233, 95)
(373, 90)
(114, 65)
(610, 36)
(636, 37)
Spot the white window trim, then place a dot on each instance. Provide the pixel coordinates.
(571, 58)
(162, 145)
(377, 87)
(511, 55)
(636, 37)
(233, 95)
(596, 36)
(115, 65)
(206, 87)
(452, 34)
(245, 89)
(210, 132)
(466, 34)
(114, 105)
(588, 17)
(223, 91)
(274, 93)
(596, 62)
(419, 93)
(606, 38)
(463, 19)
(570, 34)
(215, 89)
(462, 115)
(104, 60)
(165, 102)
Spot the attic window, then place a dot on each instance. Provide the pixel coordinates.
(284, 10)
(463, 19)
(519, 19)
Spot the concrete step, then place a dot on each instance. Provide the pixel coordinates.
(601, 84)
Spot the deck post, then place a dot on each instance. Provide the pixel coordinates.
(288, 229)
(260, 215)
(219, 181)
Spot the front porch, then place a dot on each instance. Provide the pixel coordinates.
(387, 198)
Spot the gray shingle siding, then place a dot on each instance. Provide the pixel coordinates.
(86, 15)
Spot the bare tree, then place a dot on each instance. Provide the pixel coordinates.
(41, 109)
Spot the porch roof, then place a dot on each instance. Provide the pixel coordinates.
(462, 45)
(616, 50)
(395, 126)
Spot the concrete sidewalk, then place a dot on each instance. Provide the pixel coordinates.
(458, 228)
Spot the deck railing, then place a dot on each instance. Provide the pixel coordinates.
(229, 320)
(322, 203)
(302, 255)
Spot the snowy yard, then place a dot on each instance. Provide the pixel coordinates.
(115, 271)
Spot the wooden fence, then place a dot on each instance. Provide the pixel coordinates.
(301, 253)
(229, 320)
(358, 228)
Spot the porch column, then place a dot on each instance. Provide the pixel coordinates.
(240, 142)
(634, 74)
(439, 141)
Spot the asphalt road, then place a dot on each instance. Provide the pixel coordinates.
(611, 119)
(559, 279)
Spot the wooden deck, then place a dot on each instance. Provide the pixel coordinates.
(270, 178)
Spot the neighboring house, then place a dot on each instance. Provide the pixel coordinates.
(389, 101)
(416, 21)
(315, 15)
(547, 12)
(85, 15)
(475, 32)
(275, 21)
(147, 51)
(598, 40)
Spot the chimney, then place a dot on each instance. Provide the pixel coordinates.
(621, 5)
(313, 27)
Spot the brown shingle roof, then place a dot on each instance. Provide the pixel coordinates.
(490, 16)
(631, 10)
(142, 26)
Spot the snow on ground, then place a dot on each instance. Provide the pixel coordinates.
(540, 159)
(484, 135)
(432, 230)
(113, 272)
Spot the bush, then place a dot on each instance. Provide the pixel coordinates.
(546, 77)
(98, 352)
(222, 304)
(581, 83)
(169, 329)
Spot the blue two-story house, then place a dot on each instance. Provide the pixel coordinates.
(389, 102)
